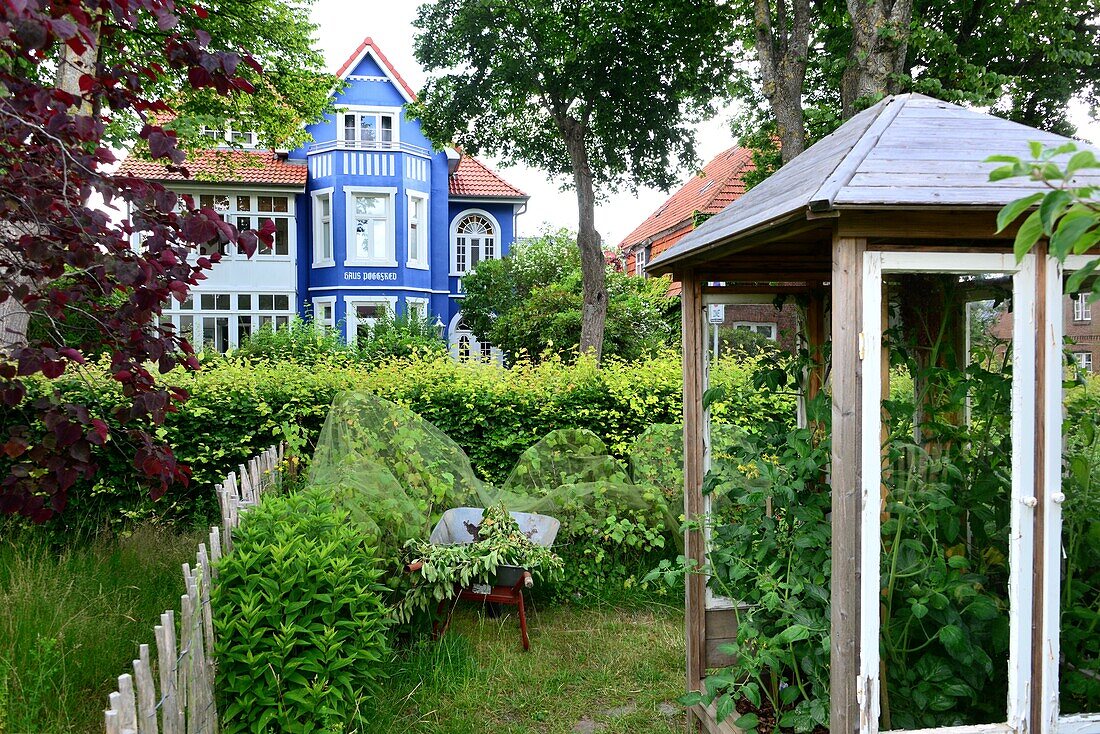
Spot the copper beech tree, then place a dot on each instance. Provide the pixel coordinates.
(63, 253)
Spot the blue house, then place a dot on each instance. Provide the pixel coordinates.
(369, 219)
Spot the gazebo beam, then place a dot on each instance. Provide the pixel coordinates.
(695, 583)
(847, 383)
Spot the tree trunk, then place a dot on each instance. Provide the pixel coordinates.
(593, 264)
(876, 60)
(783, 53)
(14, 319)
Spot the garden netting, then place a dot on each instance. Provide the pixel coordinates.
(397, 473)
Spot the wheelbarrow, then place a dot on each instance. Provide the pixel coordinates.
(459, 525)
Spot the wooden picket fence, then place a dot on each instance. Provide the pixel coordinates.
(175, 695)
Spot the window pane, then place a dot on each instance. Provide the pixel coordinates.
(187, 328)
(244, 328)
(414, 241)
(267, 302)
(349, 127)
(460, 254)
(282, 303)
(244, 224)
(368, 127)
(244, 301)
(475, 251)
(244, 203)
(206, 301)
(387, 128)
(379, 237)
(362, 238)
(282, 238)
(222, 302)
(326, 205)
(368, 205)
(326, 241)
(280, 204)
(215, 333)
(262, 248)
(188, 303)
(264, 203)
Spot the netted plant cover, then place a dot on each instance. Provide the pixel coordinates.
(393, 470)
(657, 456)
(396, 474)
(563, 457)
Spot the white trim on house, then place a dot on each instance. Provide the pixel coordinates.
(453, 240)
(418, 304)
(1021, 542)
(409, 288)
(319, 261)
(423, 229)
(351, 320)
(385, 67)
(351, 247)
(319, 318)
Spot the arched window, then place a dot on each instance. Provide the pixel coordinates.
(475, 239)
(464, 348)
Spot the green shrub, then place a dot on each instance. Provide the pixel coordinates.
(303, 342)
(301, 626)
(405, 335)
(237, 408)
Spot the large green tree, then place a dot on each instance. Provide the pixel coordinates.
(815, 64)
(529, 303)
(603, 92)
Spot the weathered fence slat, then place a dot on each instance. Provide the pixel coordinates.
(181, 688)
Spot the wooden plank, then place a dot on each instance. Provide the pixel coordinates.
(146, 693)
(708, 717)
(166, 671)
(956, 225)
(695, 586)
(127, 713)
(930, 194)
(847, 301)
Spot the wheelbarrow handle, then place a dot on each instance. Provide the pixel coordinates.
(528, 580)
(414, 566)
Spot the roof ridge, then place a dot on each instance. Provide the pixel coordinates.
(822, 199)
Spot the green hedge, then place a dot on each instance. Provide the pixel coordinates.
(238, 408)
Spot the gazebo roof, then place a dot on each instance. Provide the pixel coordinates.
(906, 152)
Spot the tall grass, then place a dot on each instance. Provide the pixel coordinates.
(71, 620)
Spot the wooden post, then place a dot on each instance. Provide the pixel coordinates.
(146, 692)
(847, 376)
(695, 601)
(1042, 319)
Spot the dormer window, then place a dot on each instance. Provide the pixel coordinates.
(229, 136)
(369, 130)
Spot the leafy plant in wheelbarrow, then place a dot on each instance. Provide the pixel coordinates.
(492, 561)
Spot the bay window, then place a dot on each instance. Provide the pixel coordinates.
(370, 234)
(247, 212)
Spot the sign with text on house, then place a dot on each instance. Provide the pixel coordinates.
(360, 275)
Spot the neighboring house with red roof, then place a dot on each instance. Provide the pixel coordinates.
(721, 182)
(368, 219)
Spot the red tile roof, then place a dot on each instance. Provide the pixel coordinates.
(721, 181)
(224, 166)
(368, 42)
(474, 179)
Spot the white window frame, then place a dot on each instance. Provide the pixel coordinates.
(1083, 360)
(318, 304)
(422, 228)
(252, 315)
(640, 261)
(233, 213)
(377, 113)
(1021, 542)
(421, 304)
(1052, 499)
(351, 320)
(455, 223)
(319, 226)
(351, 247)
(754, 327)
(1082, 309)
(223, 137)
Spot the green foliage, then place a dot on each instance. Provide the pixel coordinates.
(300, 623)
(405, 335)
(1025, 63)
(237, 408)
(1079, 691)
(1068, 215)
(301, 342)
(498, 541)
(515, 80)
(529, 303)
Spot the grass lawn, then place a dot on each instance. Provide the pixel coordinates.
(71, 622)
(606, 669)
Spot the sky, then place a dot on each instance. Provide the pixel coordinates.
(342, 26)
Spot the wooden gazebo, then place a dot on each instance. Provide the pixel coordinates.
(902, 187)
